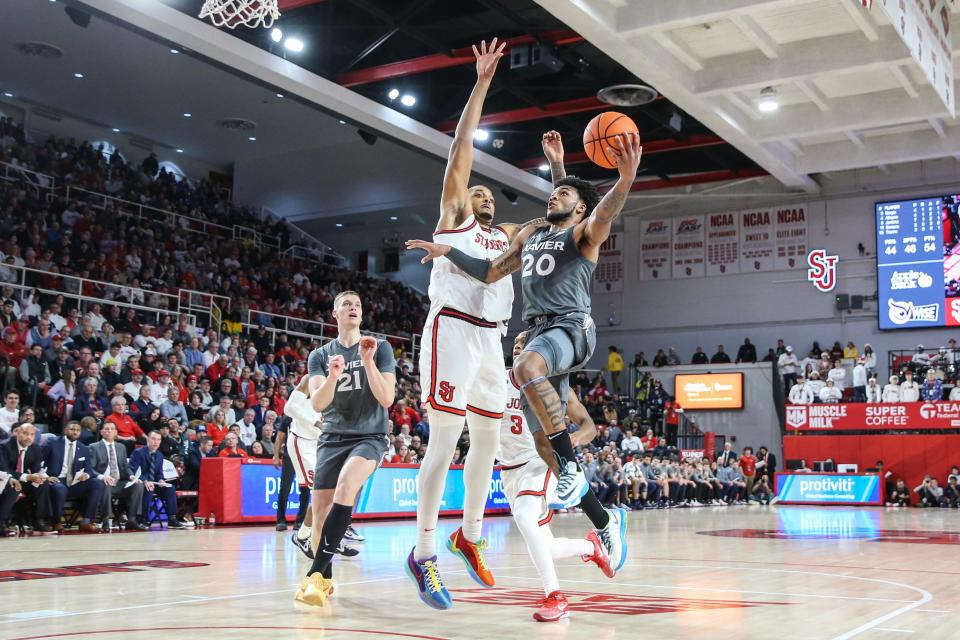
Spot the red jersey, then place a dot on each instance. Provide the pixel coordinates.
(748, 464)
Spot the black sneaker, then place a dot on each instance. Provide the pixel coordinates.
(303, 545)
(281, 526)
(175, 524)
(352, 535)
(347, 552)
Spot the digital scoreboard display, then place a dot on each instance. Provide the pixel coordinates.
(918, 263)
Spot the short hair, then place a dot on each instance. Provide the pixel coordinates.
(116, 399)
(342, 295)
(154, 431)
(587, 192)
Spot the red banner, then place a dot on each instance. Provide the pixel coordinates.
(863, 416)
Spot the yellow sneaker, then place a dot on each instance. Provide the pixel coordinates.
(314, 590)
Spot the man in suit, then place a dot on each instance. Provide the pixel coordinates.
(70, 468)
(111, 466)
(150, 463)
(727, 455)
(23, 460)
(766, 464)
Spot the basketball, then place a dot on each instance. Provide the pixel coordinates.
(600, 134)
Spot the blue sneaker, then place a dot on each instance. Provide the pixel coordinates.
(614, 537)
(426, 575)
(571, 487)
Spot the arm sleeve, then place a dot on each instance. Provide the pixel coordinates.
(317, 363)
(386, 363)
(298, 408)
(473, 267)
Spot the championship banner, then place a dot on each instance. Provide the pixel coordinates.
(655, 249)
(723, 243)
(608, 276)
(924, 26)
(688, 247)
(791, 236)
(756, 240)
(862, 416)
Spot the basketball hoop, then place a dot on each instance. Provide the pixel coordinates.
(231, 13)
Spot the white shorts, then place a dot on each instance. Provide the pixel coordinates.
(303, 454)
(532, 479)
(461, 365)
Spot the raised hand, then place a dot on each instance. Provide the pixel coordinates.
(336, 366)
(368, 348)
(553, 146)
(488, 57)
(627, 151)
(433, 249)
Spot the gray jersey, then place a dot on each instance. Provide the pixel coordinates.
(354, 410)
(554, 276)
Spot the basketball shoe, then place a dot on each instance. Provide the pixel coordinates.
(472, 555)
(314, 590)
(599, 557)
(552, 608)
(303, 544)
(353, 535)
(571, 487)
(614, 537)
(426, 576)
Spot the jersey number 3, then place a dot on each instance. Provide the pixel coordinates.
(445, 391)
(348, 382)
(544, 266)
(517, 427)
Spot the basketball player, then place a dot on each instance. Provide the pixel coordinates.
(558, 264)
(527, 481)
(352, 383)
(461, 360)
(305, 428)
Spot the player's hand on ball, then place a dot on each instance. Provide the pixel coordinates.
(336, 366)
(368, 348)
(627, 152)
(433, 249)
(553, 146)
(488, 57)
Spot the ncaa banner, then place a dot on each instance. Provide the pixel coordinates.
(655, 244)
(608, 275)
(756, 240)
(791, 236)
(688, 247)
(723, 243)
(861, 416)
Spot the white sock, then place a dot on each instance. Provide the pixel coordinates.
(526, 513)
(304, 532)
(445, 431)
(478, 470)
(570, 548)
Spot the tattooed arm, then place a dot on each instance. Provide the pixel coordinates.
(478, 268)
(596, 227)
(512, 229)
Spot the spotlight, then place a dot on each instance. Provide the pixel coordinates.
(768, 100)
(408, 100)
(293, 44)
(252, 138)
(115, 130)
(393, 94)
(174, 51)
(510, 195)
(279, 95)
(276, 35)
(393, 217)
(8, 94)
(544, 167)
(481, 134)
(78, 76)
(339, 224)
(187, 115)
(343, 121)
(367, 137)
(179, 150)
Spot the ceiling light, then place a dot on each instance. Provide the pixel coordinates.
(544, 167)
(252, 138)
(293, 44)
(339, 224)
(343, 122)
(408, 100)
(481, 134)
(78, 75)
(498, 143)
(279, 95)
(174, 51)
(276, 35)
(393, 94)
(179, 150)
(188, 115)
(8, 94)
(115, 130)
(768, 100)
(393, 217)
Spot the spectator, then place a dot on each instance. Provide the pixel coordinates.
(951, 494)
(766, 464)
(699, 357)
(173, 408)
(787, 364)
(816, 385)
(23, 459)
(69, 463)
(838, 375)
(174, 445)
(149, 462)
(873, 391)
(660, 359)
(248, 429)
(748, 466)
(930, 492)
(830, 393)
(636, 483)
(631, 445)
(232, 447)
(891, 391)
(801, 393)
(9, 413)
(920, 357)
(899, 495)
(932, 389)
(129, 432)
(673, 360)
(860, 381)
(747, 352)
(615, 367)
(850, 351)
(726, 456)
(63, 395)
(909, 389)
(217, 429)
(266, 436)
(10, 348)
(836, 352)
(869, 358)
(640, 360)
(90, 403)
(720, 357)
(109, 461)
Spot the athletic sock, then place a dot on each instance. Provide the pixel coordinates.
(304, 532)
(561, 444)
(445, 431)
(330, 536)
(484, 442)
(570, 548)
(594, 510)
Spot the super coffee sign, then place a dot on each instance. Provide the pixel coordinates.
(864, 416)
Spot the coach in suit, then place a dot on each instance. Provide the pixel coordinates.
(111, 467)
(726, 456)
(70, 464)
(150, 463)
(23, 459)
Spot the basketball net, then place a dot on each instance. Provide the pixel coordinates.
(231, 13)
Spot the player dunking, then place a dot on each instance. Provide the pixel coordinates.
(461, 361)
(352, 382)
(557, 266)
(527, 481)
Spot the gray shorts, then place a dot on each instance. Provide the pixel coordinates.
(333, 451)
(566, 343)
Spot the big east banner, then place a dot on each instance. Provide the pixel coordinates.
(868, 416)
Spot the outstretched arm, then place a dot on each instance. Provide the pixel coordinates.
(553, 149)
(512, 229)
(482, 270)
(596, 228)
(454, 200)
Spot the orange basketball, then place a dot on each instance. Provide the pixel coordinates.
(600, 134)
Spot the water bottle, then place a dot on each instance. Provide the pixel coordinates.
(109, 526)
(212, 520)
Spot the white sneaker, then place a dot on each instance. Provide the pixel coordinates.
(571, 487)
(614, 537)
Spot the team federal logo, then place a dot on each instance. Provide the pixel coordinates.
(822, 271)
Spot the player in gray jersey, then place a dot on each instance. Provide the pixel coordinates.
(556, 265)
(352, 383)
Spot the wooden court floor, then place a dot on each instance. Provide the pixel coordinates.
(740, 572)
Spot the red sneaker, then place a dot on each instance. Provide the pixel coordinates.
(552, 608)
(600, 557)
(472, 555)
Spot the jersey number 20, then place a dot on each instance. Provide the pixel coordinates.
(348, 382)
(544, 266)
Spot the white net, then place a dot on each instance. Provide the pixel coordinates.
(231, 13)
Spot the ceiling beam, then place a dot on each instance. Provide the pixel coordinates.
(812, 92)
(755, 34)
(697, 178)
(861, 18)
(645, 17)
(457, 57)
(881, 150)
(525, 114)
(900, 73)
(649, 148)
